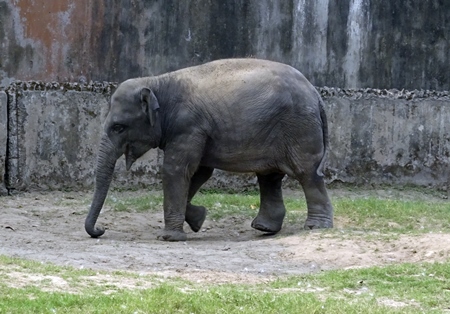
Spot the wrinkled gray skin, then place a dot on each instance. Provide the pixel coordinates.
(241, 115)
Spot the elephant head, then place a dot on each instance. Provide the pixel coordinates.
(132, 127)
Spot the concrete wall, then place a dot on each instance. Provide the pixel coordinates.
(389, 137)
(376, 136)
(53, 134)
(345, 43)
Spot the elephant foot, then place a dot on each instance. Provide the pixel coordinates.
(172, 235)
(323, 223)
(195, 216)
(266, 225)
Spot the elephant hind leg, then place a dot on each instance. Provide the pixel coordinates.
(320, 210)
(271, 212)
(195, 215)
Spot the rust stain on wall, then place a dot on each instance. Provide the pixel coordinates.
(58, 32)
(43, 22)
(42, 19)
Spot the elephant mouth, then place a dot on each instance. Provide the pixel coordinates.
(129, 157)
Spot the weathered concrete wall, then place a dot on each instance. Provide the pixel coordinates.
(376, 136)
(391, 137)
(54, 131)
(346, 43)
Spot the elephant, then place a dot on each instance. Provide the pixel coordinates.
(239, 115)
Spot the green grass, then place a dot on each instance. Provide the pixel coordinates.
(152, 201)
(403, 216)
(418, 285)
(361, 213)
(407, 288)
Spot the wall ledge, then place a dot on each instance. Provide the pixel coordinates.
(96, 87)
(366, 93)
(325, 91)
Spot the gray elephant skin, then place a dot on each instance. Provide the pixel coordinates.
(239, 115)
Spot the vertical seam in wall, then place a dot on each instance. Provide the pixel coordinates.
(5, 165)
(12, 157)
(8, 134)
(3, 189)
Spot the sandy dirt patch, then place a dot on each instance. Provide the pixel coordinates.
(49, 227)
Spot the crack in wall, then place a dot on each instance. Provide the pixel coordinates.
(12, 144)
(3, 140)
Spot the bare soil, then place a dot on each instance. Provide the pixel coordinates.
(49, 227)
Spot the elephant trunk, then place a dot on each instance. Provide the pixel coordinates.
(106, 161)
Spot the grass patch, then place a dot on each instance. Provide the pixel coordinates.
(357, 213)
(395, 215)
(225, 205)
(219, 205)
(407, 288)
(151, 201)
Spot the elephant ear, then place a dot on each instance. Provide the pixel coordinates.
(149, 104)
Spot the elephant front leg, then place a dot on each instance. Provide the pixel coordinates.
(195, 215)
(175, 188)
(271, 213)
(175, 197)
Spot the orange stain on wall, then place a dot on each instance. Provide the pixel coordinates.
(41, 19)
(57, 25)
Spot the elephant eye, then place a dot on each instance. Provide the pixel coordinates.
(118, 128)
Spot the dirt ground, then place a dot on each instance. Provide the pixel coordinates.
(49, 227)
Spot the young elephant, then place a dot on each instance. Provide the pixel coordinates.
(241, 115)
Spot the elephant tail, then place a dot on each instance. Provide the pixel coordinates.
(323, 117)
